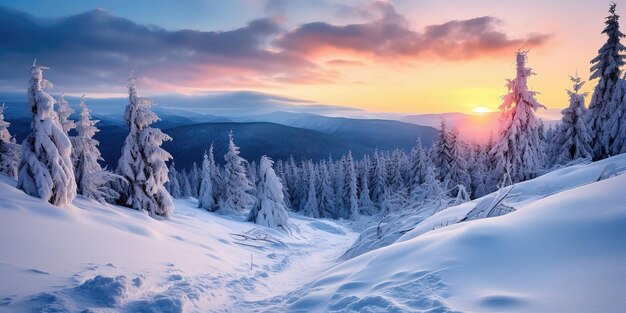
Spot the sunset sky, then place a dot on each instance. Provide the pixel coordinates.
(420, 56)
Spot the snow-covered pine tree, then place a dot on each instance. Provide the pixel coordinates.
(518, 147)
(607, 67)
(339, 184)
(269, 209)
(290, 182)
(616, 125)
(237, 185)
(365, 202)
(326, 194)
(478, 171)
(46, 167)
(9, 150)
(350, 199)
(418, 163)
(216, 178)
(185, 184)
(311, 206)
(396, 192)
(206, 198)
(301, 181)
(572, 139)
(85, 155)
(64, 112)
(280, 171)
(5, 135)
(435, 193)
(379, 178)
(396, 170)
(142, 162)
(443, 155)
(458, 173)
(174, 182)
(91, 180)
(252, 174)
(195, 178)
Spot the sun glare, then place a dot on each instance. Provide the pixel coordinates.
(481, 110)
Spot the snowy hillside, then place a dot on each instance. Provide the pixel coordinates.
(561, 251)
(90, 256)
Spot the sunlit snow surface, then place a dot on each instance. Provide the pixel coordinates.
(91, 256)
(563, 250)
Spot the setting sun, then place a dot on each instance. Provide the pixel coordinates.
(481, 110)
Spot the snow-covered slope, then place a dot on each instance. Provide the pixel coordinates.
(92, 256)
(563, 250)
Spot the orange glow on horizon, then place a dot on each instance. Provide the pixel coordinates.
(481, 110)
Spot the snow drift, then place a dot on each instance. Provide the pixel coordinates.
(560, 251)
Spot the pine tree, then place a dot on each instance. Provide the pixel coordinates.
(311, 206)
(206, 198)
(365, 202)
(458, 174)
(326, 194)
(418, 163)
(86, 154)
(5, 136)
(46, 167)
(195, 177)
(518, 148)
(301, 181)
(478, 171)
(339, 184)
(64, 112)
(616, 125)
(142, 162)
(606, 67)
(185, 184)
(435, 194)
(291, 178)
(216, 177)
(9, 150)
(350, 199)
(572, 139)
(280, 171)
(443, 154)
(237, 185)
(378, 177)
(269, 209)
(91, 180)
(174, 183)
(395, 171)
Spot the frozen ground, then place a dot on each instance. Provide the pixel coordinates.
(562, 250)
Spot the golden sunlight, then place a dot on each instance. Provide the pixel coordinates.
(481, 110)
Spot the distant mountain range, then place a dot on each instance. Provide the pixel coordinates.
(290, 129)
(278, 135)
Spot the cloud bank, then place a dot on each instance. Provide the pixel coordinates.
(92, 52)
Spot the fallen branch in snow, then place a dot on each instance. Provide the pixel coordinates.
(257, 236)
(608, 171)
(249, 245)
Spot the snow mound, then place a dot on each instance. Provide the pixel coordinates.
(558, 252)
